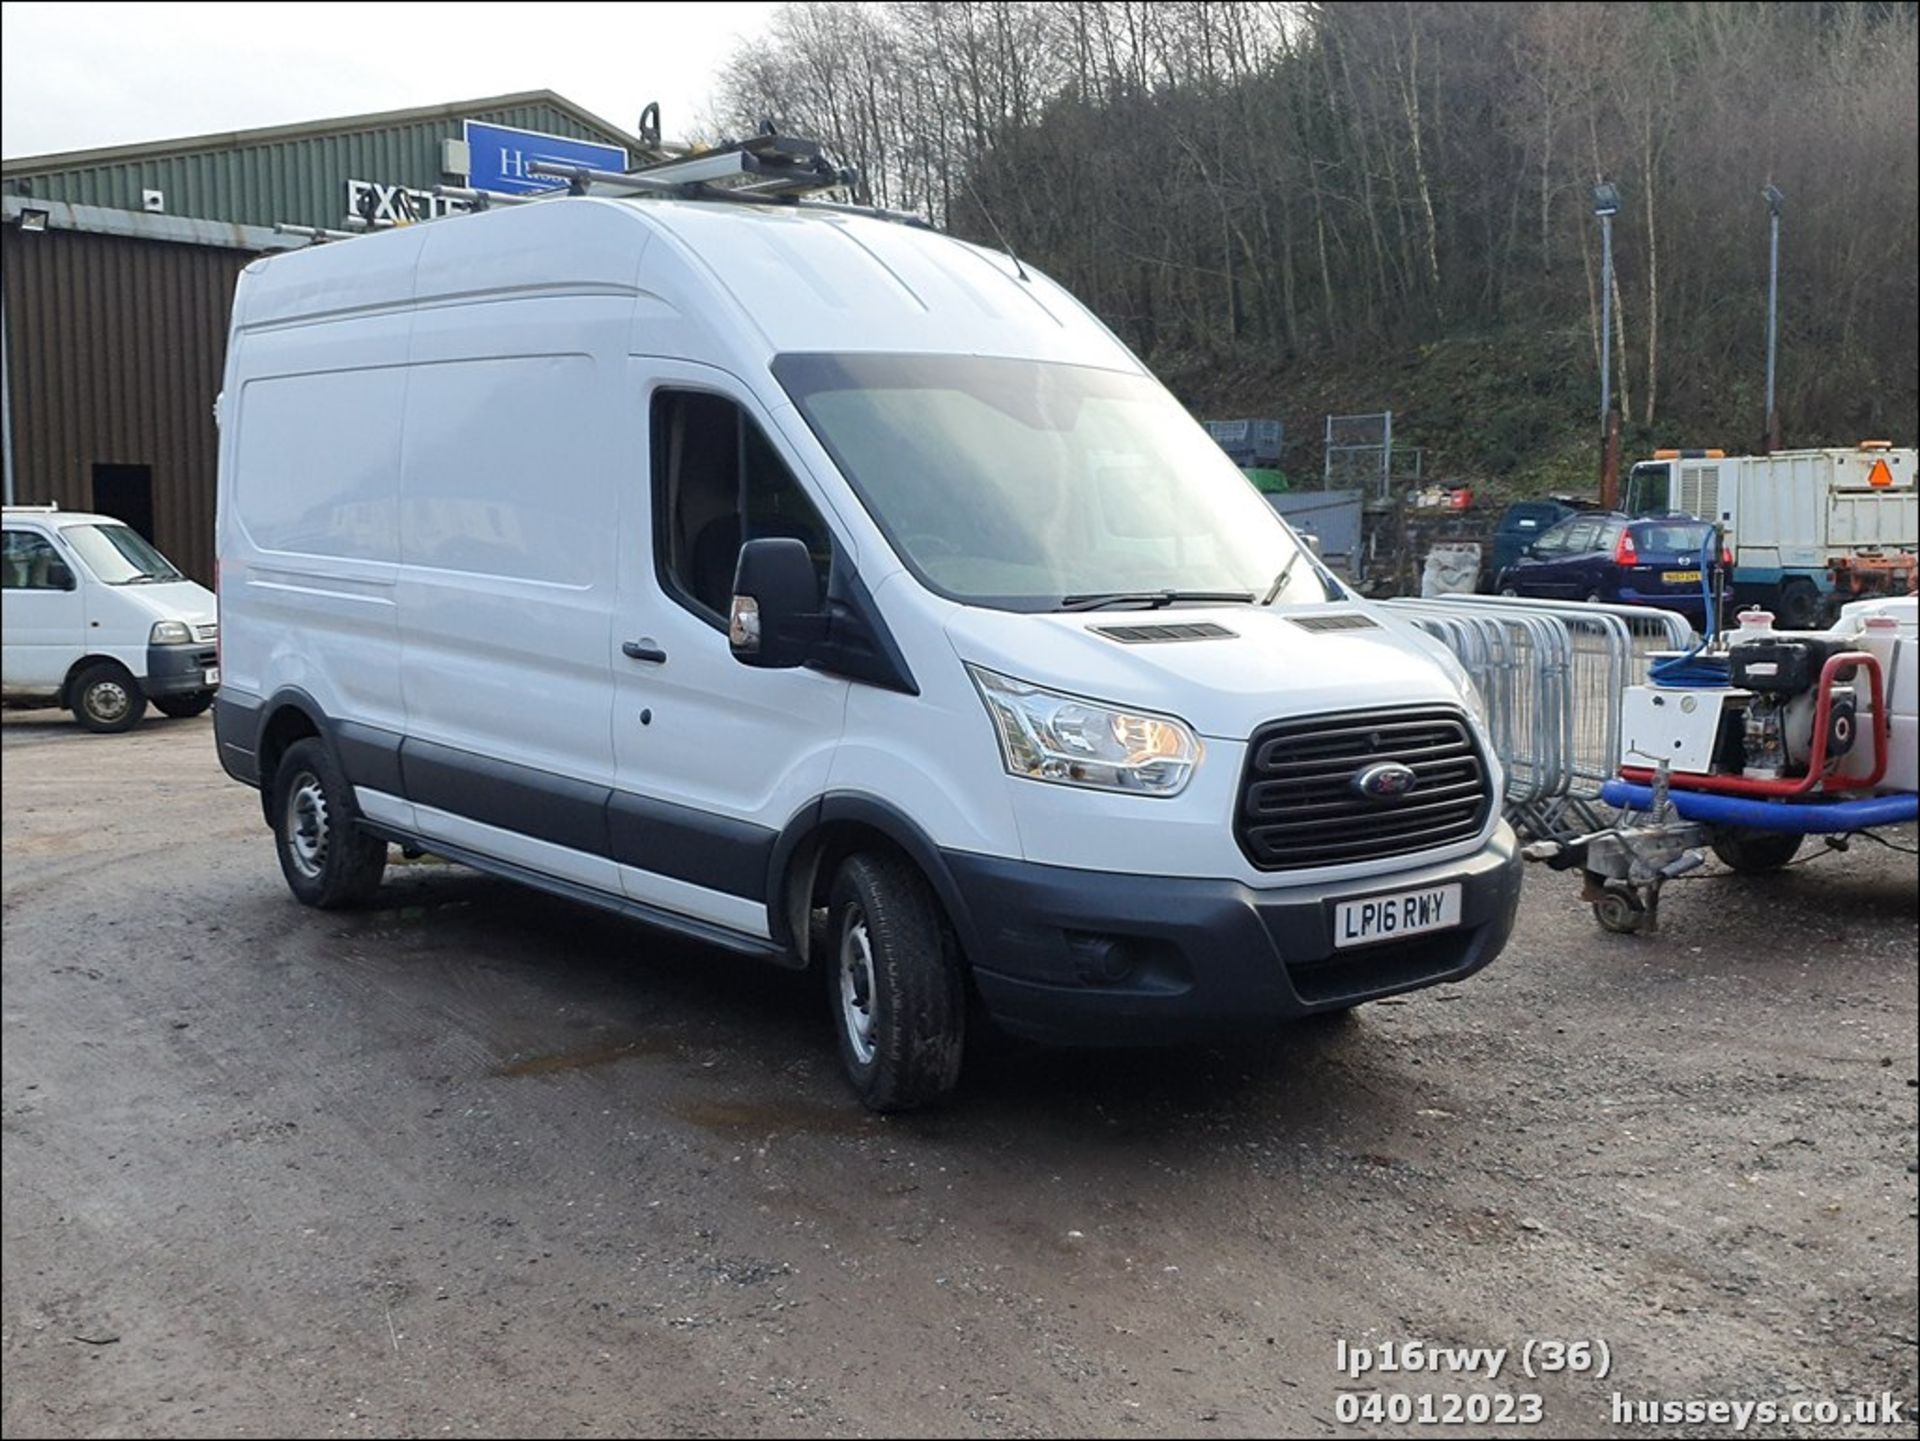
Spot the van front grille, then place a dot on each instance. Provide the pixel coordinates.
(1301, 804)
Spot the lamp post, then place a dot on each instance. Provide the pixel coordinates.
(1774, 200)
(1606, 205)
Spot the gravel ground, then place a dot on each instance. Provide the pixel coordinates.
(480, 1162)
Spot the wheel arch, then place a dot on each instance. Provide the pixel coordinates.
(292, 715)
(79, 668)
(823, 833)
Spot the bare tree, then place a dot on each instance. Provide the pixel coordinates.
(1293, 180)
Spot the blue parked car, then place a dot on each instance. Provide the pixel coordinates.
(1525, 521)
(1654, 560)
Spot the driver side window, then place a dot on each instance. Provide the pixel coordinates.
(718, 483)
(30, 563)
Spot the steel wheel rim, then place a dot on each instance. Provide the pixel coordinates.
(306, 826)
(856, 986)
(108, 701)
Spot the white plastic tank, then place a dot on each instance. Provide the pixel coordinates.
(1889, 631)
(1753, 625)
(1903, 609)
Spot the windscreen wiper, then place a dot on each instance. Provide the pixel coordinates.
(1150, 599)
(1280, 580)
(1286, 574)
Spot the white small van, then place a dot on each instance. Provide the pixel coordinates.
(99, 622)
(838, 593)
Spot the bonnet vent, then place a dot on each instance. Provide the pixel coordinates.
(1349, 620)
(1149, 634)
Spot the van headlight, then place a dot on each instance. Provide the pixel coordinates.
(1476, 702)
(171, 632)
(1047, 736)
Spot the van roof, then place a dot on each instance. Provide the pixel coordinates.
(53, 515)
(767, 279)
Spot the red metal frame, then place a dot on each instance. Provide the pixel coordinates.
(1816, 763)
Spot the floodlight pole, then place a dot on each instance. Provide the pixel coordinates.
(1774, 201)
(1606, 204)
(1606, 315)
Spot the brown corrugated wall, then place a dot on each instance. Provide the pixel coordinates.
(114, 354)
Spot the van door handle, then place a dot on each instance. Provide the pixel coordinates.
(642, 650)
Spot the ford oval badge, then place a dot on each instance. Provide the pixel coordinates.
(1387, 781)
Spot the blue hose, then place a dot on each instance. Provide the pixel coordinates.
(1798, 819)
(1692, 671)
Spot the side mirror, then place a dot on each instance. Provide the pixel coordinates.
(58, 576)
(776, 617)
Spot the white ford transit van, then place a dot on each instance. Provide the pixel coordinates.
(99, 622)
(725, 565)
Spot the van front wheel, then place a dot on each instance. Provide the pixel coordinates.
(107, 699)
(894, 983)
(328, 860)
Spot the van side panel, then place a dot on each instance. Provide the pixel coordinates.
(309, 515)
(515, 448)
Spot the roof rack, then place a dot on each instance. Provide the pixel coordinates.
(638, 184)
(766, 169)
(765, 164)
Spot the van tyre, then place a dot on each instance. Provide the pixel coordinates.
(183, 707)
(328, 859)
(894, 983)
(1754, 853)
(1799, 605)
(107, 699)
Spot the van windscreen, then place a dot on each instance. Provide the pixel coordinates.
(1024, 484)
(119, 555)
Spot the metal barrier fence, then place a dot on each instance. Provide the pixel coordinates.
(1552, 674)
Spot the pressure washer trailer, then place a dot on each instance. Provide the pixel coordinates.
(1748, 744)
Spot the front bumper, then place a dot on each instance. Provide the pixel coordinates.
(179, 669)
(1091, 958)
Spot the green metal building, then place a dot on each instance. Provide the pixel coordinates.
(119, 265)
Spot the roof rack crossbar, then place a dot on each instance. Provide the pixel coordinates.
(582, 181)
(312, 232)
(484, 199)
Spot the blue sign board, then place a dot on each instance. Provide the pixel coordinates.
(498, 158)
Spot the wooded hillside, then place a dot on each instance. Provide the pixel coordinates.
(1290, 208)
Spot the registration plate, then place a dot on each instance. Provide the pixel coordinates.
(1389, 917)
(210, 678)
(1675, 577)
